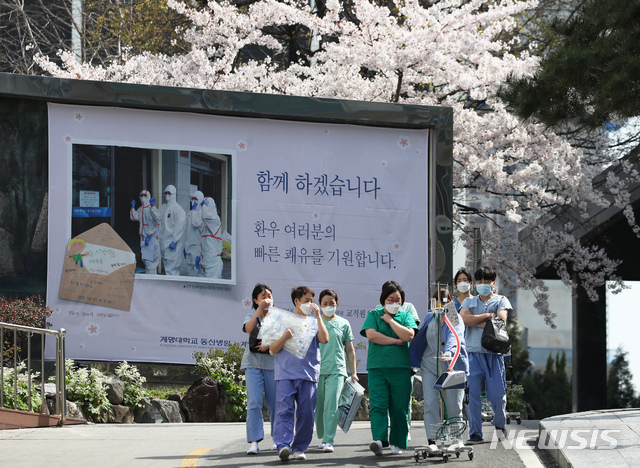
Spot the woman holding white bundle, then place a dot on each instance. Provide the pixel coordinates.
(258, 364)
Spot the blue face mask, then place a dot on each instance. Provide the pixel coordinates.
(483, 289)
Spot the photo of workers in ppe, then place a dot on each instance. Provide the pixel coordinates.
(178, 212)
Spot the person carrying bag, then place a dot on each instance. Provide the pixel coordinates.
(486, 314)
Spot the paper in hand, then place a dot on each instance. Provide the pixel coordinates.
(451, 313)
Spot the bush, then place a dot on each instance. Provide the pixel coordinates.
(135, 396)
(8, 389)
(224, 368)
(86, 387)
(163, 393)
(515, 403)
(29, 312)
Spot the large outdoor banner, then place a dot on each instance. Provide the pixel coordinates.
(295, 203)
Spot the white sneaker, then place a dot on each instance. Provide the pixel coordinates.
(274, 447)
(328, 448)
(321, 445)
(284, 454)
(376, 447)
(408, 435)
(395, 450)
(299, 456)
(253, 449)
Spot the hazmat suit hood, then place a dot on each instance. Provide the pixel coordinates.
(199, 196)
(145, 197)
(170, 194)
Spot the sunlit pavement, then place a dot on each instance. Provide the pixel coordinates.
(224, 444)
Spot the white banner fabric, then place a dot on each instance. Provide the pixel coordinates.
(323, 205)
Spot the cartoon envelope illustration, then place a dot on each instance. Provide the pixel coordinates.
(99, 269)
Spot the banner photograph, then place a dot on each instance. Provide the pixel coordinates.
(190, 211)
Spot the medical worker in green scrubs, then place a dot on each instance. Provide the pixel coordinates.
(389, 331)
(333, 368)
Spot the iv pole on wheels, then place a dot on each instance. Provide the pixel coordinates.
(450, 432)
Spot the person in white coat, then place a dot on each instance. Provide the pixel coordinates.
(211, 240)
(193, 228)
(149, 218)
(172, 232)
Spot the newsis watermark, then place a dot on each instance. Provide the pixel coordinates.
(567, 439)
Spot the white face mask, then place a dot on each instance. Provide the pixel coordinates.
(393, 308)
(463, 287)
(169, 197)
(305, 308)
(329, 311)
(144, 200)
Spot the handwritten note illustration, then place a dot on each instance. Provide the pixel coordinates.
(99, 268)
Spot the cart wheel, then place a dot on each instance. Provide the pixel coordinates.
(425, 454)
(445, 458)
(519, 421)
(457, 454)
(471, 455)
(508, 420)
(417, 457)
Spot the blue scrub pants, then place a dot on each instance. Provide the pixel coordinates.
(299, 396)
(487, 367)
(259, 382)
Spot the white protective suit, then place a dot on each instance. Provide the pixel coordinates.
(172, 232)
(192, 232)
(211, 240)
(149, 218)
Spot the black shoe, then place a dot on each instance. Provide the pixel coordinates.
(475, 439)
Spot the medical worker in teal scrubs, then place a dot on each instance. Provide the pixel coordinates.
(333, 368)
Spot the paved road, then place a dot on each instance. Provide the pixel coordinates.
(206, 445)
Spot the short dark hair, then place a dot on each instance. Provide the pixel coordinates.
(485, 273)
(441, 293)
(327, 292)
(462, 271)
(388, 289)
(257, 289)
(299, 291)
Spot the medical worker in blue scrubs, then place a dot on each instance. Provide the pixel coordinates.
(463, 282)
(484, 366)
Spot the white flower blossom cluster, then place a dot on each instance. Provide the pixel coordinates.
(448, 54)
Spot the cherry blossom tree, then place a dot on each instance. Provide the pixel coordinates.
(444, 53)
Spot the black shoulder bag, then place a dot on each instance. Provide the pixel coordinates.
(495, 337)
(254, 341)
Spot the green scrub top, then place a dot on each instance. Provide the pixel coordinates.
(334, 359)
(381, 356)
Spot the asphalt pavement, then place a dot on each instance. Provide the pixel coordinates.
(224, 444)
